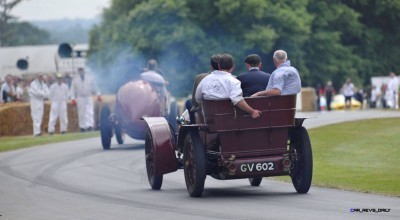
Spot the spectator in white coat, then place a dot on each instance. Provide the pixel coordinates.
(348, 92)
(58, 97)
(82, 89)
(38, 91)
(393, 91)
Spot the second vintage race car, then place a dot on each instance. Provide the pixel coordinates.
(134, 100)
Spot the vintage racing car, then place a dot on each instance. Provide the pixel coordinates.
(226, 143)
(134, 100)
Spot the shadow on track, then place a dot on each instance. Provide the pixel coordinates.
(127, 147)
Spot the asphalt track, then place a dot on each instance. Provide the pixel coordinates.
(78, 180)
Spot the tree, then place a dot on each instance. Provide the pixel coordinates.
(380, 36)
(325, 40)
(5, 17)
(23, 33)
(182, 35)
(331, 46)
(13, 33)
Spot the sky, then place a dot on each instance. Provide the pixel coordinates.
(37, 10)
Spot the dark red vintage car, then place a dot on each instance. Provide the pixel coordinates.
(134, 100)
(226, 143)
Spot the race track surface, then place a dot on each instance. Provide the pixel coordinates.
(78, 180)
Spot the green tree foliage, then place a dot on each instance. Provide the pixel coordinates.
(380, 36)
(330, 49)
(23, 33)
(325, 40)
(13, 33)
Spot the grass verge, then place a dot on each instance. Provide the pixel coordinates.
(358, 156)
(13, 143)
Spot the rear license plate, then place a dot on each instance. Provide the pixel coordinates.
(257, 167)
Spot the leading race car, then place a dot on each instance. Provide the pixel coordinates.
(134, 100)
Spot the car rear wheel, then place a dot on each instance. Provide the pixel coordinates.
(173, 112)
(194, 164)
(155, 181)
(105, 127)
(119, 134)
(256, 181)
(301, 172)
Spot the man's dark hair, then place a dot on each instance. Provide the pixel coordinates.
(225, 62)
(152, 64)
(214, 61)
(253, 60)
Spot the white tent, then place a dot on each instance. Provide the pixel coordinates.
(41, 58)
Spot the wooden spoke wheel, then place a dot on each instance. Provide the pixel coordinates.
(119, 134)
(154, 180)
(194, 164)
(301, 172)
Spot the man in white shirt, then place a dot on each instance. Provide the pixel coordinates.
(220, 84)
(38, 91)
(58, 97)
(82, 89)
(348, 92)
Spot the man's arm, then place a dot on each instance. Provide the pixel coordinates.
(245, 107)
(270, 92)
(199, 95)
(35, 91)
(195, 85)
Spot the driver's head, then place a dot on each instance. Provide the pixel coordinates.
(152, 64)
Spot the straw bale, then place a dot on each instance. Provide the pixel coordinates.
(15, 118)
(308, 99)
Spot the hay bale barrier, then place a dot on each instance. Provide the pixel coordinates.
(16, 120)
(309, 98)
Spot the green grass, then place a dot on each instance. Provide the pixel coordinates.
(358, 156)
(13, 143)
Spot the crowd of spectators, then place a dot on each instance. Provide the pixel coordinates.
(15, 88)
(376, 96)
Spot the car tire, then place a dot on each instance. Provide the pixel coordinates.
(105, 127)
(194, 164)
(255, 181)
(173, 112)
(155, 181)
(301, 171)
(119, 134)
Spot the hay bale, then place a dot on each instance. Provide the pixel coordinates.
(308, 99)
(15, 118)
